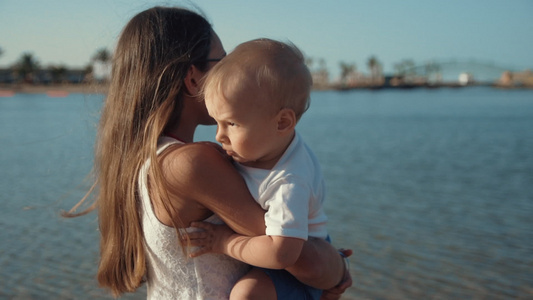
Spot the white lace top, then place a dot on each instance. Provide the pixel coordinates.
(171, 274)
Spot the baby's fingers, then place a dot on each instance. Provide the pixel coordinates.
(198, 238)
(203, 239)
(202, 242)
(199, 251)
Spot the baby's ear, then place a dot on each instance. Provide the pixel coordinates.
(286, 120)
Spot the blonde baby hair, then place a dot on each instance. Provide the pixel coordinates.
(274, 68)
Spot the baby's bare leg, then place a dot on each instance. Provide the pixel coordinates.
(254, 285)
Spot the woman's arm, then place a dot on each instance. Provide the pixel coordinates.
(319, 265)
(205, 176)
(336, 292)
(202, 175)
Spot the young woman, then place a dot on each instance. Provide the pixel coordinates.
(152, 181)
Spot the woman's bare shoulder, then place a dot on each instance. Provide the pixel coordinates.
(201, 173)
(193, 163)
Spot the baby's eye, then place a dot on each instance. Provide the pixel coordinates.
(231, 124)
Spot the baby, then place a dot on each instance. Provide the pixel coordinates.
(257, 95)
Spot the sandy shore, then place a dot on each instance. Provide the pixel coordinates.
(53, 89)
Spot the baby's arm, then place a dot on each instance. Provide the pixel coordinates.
(273, 252)
(207, 177)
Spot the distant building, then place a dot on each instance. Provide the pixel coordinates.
(6, 76)
(466, 78)
(101, 71)
(516, 79)
(76, 75)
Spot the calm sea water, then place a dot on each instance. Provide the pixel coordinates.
(432, 189)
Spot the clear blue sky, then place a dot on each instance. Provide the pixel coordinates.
(70, 32)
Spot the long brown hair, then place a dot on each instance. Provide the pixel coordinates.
(152, 57)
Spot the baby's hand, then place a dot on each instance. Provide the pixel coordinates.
(211, 239)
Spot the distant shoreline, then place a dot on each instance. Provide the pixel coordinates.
(63, 90)
(53, 89)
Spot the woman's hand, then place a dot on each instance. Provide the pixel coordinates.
(346, 282)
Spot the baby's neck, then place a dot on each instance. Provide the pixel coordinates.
(268, 163)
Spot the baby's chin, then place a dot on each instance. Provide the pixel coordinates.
(240, 160)
(243, 161)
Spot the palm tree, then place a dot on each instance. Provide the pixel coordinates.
(347, 71)
(58, 73)
(375, 68)
(322, 72)
(309, 61)
(26, 67)
(319, 74)
(322, 66)
(101, 65)
(102, 55)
